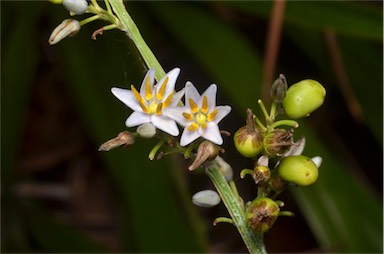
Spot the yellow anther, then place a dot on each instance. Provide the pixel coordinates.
(139, 99)
(168, 101)
(159, 108)
(148, 90)
(161, 92)
(187, 116)
(212, 115)
(204, 125)
(204, 107)
(193, 127)
(193, 106)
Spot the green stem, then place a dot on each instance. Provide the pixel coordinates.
(290, 123)
(133, 32)
(253, 242)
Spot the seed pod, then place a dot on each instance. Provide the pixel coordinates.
(277, 142)
(261, 214)
(299, 170)
(303, 98)
(248, 139)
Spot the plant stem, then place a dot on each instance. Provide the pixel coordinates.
(253, 242)
(133, 32)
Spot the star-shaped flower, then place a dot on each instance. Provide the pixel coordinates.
(148, 105)
(200, 115)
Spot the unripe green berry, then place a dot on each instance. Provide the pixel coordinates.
(261, 214)
(299, 170)
(303, 98)
(248, 143)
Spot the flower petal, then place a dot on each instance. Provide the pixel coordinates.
(176, 113)
(137, 118)
(170, 86)
(191, 93)
(211, 96)
(223, 111)
(177, 97)
(212, 133)
(151, 75)
(188, 137)
(127, 97)
(165, 124)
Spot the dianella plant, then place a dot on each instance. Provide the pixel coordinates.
(161, 107)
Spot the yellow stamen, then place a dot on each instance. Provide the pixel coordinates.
(193, 127)
(204, 125)
(212, 115)
(161, 92)
(193, 106)
(159, 108)
(204, 107)
(139, 99)
(187, 116)
(148, 90)
(168, 101)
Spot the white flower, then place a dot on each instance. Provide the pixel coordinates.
(148, 105)
(200, 115)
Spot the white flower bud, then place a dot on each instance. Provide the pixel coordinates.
(206, 198)
(78, 7)
(146, 130)
(68, 27)
(317, 160)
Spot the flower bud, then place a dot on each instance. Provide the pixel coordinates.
(248, 139)
(261, 214)
(303, 98)
(277, 142)
(77, 7)
(279, 89)
(68, 27)
(299, 170)
(206, 151)
(123, 139)
(206, 198)
(146, 130)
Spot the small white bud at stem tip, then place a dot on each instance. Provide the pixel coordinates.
(68, 27)
(78, 7)
(225, 168)
(206, 198)
(317, 160)
(146, 130)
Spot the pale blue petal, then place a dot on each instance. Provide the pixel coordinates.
(170, 87)
(137, 118)
(223, 111)
(165, 124)
(188, 137)
(191, 93)
(211, 96)
(176, 113)
(151, 75)
(212, 133)
(127, 97)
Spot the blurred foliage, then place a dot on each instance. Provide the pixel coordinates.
(212, 42)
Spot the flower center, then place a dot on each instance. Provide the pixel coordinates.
(199, 116)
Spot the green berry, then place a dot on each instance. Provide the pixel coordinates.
(303, 98)
(299, 170)
(248, 143)
(261, 214)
